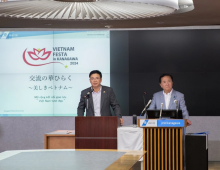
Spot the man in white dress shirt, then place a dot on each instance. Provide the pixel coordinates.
(168, 96)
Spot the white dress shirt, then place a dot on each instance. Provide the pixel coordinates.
(167, 98)
(96, 96)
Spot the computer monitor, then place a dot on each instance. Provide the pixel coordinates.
(167, 114)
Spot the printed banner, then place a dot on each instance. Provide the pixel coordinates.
(162, 123)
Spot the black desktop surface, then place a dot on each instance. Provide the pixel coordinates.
(169, 114)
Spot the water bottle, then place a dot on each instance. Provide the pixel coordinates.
(134, 121)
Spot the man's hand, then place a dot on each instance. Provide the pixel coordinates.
(121, 121)
(188, 122)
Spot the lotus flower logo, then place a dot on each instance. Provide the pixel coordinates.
(37, 57)
(39, 54)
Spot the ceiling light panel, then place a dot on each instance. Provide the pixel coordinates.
(98, 10)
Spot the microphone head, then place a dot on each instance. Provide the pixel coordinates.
(175, 101)
(88, 93)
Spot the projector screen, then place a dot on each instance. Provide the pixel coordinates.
(43, 73)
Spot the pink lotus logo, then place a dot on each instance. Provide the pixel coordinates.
(37, 57)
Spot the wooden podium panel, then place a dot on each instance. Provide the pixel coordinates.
(164, 148)
(101, 143)
(164, 142)
(60, 139)
(96, 132)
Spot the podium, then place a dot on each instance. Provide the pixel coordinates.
(96, 132)
(163, 139)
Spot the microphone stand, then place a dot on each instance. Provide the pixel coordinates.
(161, 108)
(87, 98)
(176, 108)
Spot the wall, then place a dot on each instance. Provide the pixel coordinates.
(191, 56)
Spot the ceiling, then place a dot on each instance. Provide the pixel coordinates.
(206, 12)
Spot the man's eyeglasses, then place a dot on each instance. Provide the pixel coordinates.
(92, 79)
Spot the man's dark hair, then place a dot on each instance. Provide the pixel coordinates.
(163, 75)
(95, 72)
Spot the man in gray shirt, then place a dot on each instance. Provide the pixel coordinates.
(98, 99)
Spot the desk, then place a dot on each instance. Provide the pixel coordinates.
(60, 139)
(129, 138)
(79, 159)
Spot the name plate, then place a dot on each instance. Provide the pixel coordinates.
(162, 123)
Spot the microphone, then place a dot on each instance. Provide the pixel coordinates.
(175, 101)
(88, 93)
(161, 107)
(146, 107)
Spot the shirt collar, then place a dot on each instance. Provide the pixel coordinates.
(168, 93)
(99, 90)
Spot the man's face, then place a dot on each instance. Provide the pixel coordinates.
(166, 83)
(95, 80)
